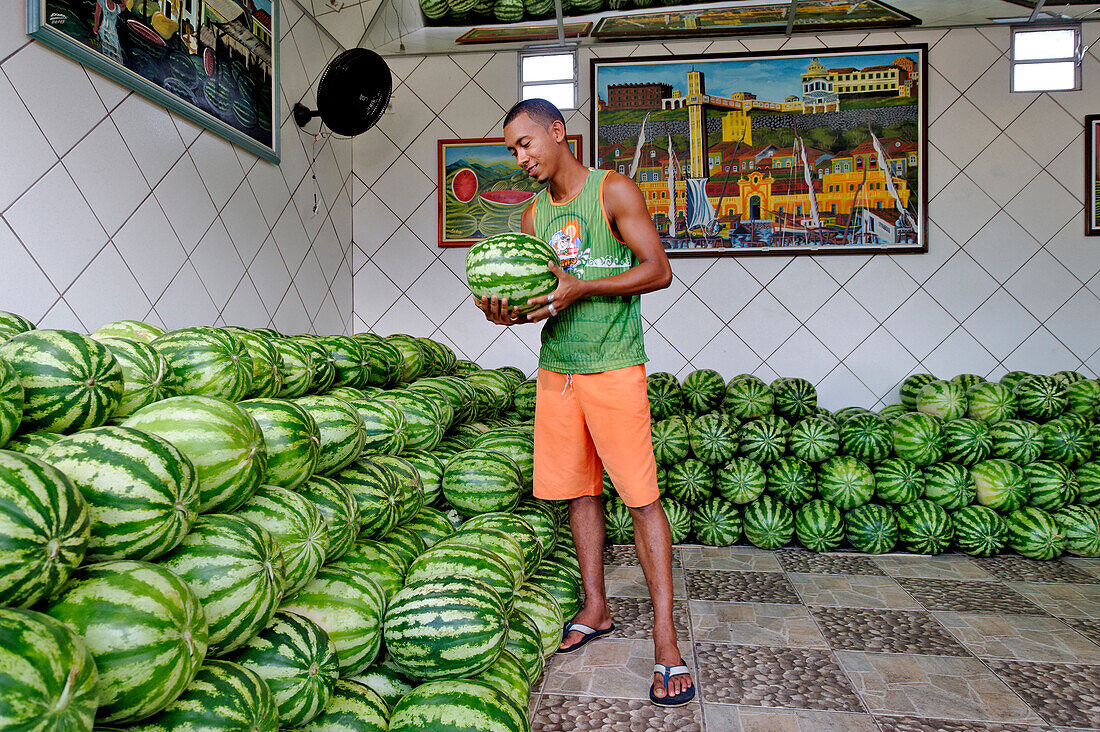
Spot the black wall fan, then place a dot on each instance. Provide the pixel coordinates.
(352, 94)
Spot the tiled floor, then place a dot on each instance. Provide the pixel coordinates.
(790, 640)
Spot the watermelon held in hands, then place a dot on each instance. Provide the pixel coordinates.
(512, 267)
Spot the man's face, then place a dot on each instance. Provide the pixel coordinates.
(534, 146)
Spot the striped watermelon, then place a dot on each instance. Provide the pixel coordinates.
(411, 354)
(142, 492)
(1081, 525)
(425, 423)
(517, 444)
(386, 362)
(819, 526)
(892, 411)
(948, 485)
(716, 522)
(476, 562)
(968, 380)
(50, 679)
(516, 527)
(690, 482)
(618, 522)
(434, 9)
(943, 399)
(432, 525)
(430, 466)
(44, 529)
(898, 481)
(1066, 441)
(1033, 533)
(32, 443)
(545, 611)
(145, 628)
(791, 480)
(298, 661)
(379, 562)
(11, 402)
(353, 707)
(350, 360)
(133, 329)
(376, 490)
(1068, 377)
(666, 397)
(911, 387)
(341, 430)
(477, 480)
(843, 415)
(385, 680)
(144, 372)
(236, 570)
(1012, 378)
(713, 439)
(1088, 482)
(525, 643)
(1017, 440)
(871, 528)
(441, 629)
(794, 398)
(966, 441)
(206, 361)
(298, 527)
(512, 267)
(990, 402)
(267, 363)
(1083, 397)
(866, 437)
(297, 369)
(339, 510)
(1000, 484)
(457, 704)
(814, 439)
(979, 531)
(918, 438)
(462, 397)
(740, 481)
(508, 676)
(845, 482)
(1040, 397)
(763, 440)
(492, 385)
(291, 439)
(748, 397)
(679, 519)
(384, 425)
(703, 390)
(1051, 485)
(671, 442)
(322, 368)
(12, 324)
(70, 382)
(410, 491)
(499, 542)
(924, 527)
(560, 581)
(223, 441)
(768, 523)
(523, 399)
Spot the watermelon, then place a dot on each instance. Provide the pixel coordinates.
(144, 372)
(843, 415)
(512, 267)
(523, 399)
(814, 439)
(560, 581)
(671, 441)
(384, 368)
(267, 363)
(713, 440)
(515, 443)
(430, 466)
(1051, 485)
(945, 400)
(1000, 484)
(1066, 441)
(476, 562)
(618, 522)
(525, 643)
(918, 438)
(494, 386)
(791, 480)
(410, 491)
(518, 528)
(924, 527)
(405, 542)
(1081, 525)
(385, 425)
(497, 541)
(70, 382)
(911, 387)
(11, 402)
(424, 419)
(508, 676)
(349, 359)
(292, 440)
(979, 531)
(298, 527)
(297, 369)
(322, 368)
(205, 361)
(32, 443)
(458, 704)
(740, 481)
(1012, 378)
(376, 489)
(763, 440)
(385, 680)
(223, 441)
(703, 390)
(132, 329)
(1017, 440)
(353, 707)
(1068, 377)
(410, 353)
(546, 613)
(871, 528)
(948, 485)
(339, 510)
(1083, 397)
(298, 661)
(379, 562)
(716, 522)
(478, 480)
(690, 482)
(768, 524)
(237, 572)
(340, 429)
(898, 481)
(892, 411)
(507, 11)
(142, 492)
(44, 529)
(794, 398)
(1034, 533)
(819, 526)
(679, 519)
(432, 525)
(990, 402)
(145, 628)
(966, 441)
(866, 437)
(50, 678)
(666, 398)
(1088, 482)
(845, 482)
(748, 397)
(1038, 397)
(966, 381)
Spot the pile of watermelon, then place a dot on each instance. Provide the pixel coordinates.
(476, 12)
(223, 528)
(962, 464)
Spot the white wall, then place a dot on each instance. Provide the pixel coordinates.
(1009, 280)
(113, 208)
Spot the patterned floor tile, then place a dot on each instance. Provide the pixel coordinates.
(798, 560)
(921, 724)
(1085, 564)
(630, 582)
(767, 676)
(532, 706)
(1066, 694)
(1022, 569)
(887, 631)
(633, 617)
(851, 591)
(557, 713)
(624, 555)
(1063, 600)
(608, 668)
(730, 718)
(1021, 637)
(546, 671)
(967, 596)
(944, 566)
(744, 558)
(1086, 627)
(933, 686)
(739, 586)
(754, 624)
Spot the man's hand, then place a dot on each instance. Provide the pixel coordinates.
(497, 311)
(568, 291)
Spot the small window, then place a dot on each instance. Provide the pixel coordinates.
(551, 76)
(1046, 58)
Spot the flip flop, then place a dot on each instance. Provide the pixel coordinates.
(668, 672)
(587, 634)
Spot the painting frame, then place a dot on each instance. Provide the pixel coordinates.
(1092, 175)
(494, 164)
(522, 33)
(886, 214)
(163, 59)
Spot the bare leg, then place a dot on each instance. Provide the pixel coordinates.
(653, 541)
(586, 520)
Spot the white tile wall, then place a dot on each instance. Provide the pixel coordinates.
(1002, 287)
(114, 208)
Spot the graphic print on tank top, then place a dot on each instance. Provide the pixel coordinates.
(570, 241)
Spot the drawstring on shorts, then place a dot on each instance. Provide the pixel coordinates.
(568, 383)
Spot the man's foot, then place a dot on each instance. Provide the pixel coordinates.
(597, 619)
(672, 686)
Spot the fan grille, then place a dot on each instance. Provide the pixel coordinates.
(354, 91)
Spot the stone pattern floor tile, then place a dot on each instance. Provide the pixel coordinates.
(754, 624)
(1062, 600)
(730, 718)
(944, 566)
(558, 713)
(740, 586)
(933, 686)
(1066, 694)
(625, 581)
(768, 676)
(624, 555)
(633, 618)
(1091, 565)
(743, 558)
(1086, 627)
(1021, 637)
(851, 591)
(967, 596)
(800, 560)
(1021, 569)
(887, 631)
(921, 724)
(609, 668)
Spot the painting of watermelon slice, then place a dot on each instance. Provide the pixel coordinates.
(464, 185)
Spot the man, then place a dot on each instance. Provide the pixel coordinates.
(591, 410)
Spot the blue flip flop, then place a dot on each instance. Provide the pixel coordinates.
(587, 634)
(668, 672)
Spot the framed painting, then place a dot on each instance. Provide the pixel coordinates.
(1092, 175)
(771, 153)
(214, 62)
(482, 191)
(525, 33)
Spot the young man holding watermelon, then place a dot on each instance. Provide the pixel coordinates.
(592, 412)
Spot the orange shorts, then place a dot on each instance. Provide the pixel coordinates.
(586, 423)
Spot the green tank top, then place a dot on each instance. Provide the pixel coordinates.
(596, 333)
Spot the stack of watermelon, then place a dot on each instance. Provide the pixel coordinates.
(480, 12)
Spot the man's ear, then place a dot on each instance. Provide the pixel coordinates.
(557, 130)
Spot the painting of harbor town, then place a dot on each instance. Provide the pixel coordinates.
(783, 153)
(212, 61)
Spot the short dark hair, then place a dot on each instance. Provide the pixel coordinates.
(539, 110)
